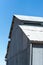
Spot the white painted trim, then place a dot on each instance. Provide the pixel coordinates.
(29, 18)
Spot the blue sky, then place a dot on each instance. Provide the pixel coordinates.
(7, 9)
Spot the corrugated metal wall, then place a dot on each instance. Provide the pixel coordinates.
(38, 55)
(19, 51)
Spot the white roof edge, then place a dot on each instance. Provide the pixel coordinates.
(29, 18)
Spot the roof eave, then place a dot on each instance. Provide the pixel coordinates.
(36, 42)
(29, 18)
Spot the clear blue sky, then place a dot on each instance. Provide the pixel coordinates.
(7, 9)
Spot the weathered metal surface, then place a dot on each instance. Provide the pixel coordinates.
(33, 32)
(37, 55)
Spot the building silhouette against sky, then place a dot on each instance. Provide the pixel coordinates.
(26, 41)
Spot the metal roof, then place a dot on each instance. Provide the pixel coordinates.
(33, 32)
(26, 18)
(29, 18)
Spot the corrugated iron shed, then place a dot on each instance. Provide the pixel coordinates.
(34, 33)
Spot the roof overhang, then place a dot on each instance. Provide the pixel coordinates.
(36, 42)
(29, 18)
